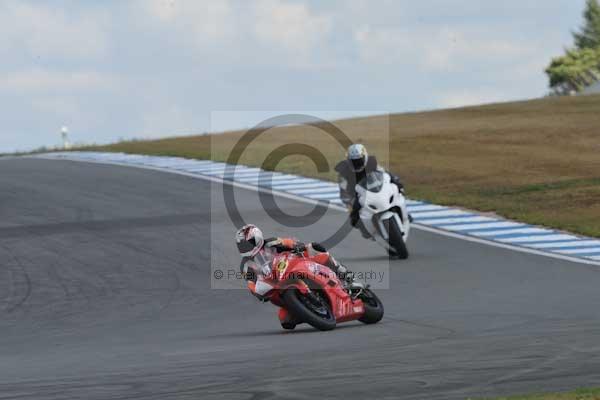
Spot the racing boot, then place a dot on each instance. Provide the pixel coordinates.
(343, 274)
(348, 278)
(350, 283)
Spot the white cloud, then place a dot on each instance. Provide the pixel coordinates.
(202, 21)
(451, 47)
(435, 49)
(264, 32)
(100, 68)
(290, 26)
(50, 31)
(57, 106)
(40, 80)
(384, 45)
(168, 120)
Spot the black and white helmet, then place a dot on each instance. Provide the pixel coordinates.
(249, 240)
(358, 157)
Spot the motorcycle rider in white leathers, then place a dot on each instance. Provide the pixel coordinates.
(351, 171)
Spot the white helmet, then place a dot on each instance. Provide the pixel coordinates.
(358, 156)
(249, 240)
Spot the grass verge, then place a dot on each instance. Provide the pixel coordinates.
(580, 394)
(536, 161)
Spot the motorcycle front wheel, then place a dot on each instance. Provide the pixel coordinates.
(373, 307)
(313, 308)
(396, 239)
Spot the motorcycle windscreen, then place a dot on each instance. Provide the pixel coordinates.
(263, 262)
(373, 182)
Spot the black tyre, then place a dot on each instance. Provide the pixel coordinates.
(314, 310)
(396, 239)
(288, 325)
(373, 308)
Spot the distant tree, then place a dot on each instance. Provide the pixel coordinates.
(580, 67)
(574, 71)
(589, 36)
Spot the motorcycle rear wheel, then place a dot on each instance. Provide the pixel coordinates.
(303, 308)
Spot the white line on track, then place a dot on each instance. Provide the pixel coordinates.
(472, 227)
(323, 196)
(578, 243)
(315, 190)
(204, 169)
(276, 178)
(300, 186)
(510, 231)
(442, 213)
(580, 251)
(445, 221)
(540, 238)
(427, 207)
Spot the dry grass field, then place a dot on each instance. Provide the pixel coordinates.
(581, 394)
(536, 161)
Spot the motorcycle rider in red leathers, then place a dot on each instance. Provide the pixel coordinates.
(252, 246)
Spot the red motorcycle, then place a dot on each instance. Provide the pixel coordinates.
(309, 292)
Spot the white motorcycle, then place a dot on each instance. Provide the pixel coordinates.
(383, 212)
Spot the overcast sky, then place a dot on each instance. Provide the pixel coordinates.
(152, 68)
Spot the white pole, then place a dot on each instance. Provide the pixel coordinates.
(64, 132)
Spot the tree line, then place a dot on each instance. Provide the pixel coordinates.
(580, 66)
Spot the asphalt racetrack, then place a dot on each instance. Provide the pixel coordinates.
(105, 293)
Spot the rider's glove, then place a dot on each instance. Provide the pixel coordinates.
(299, 247)
(396, 181)
(273, 243)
